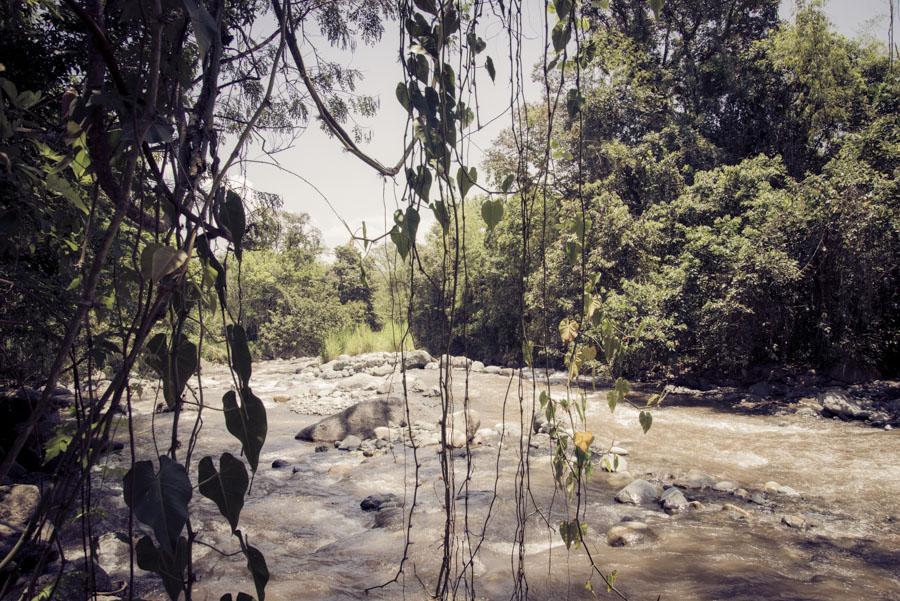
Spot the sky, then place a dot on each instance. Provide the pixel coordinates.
(333, 185)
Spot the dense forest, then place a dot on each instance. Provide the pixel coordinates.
(703, 189)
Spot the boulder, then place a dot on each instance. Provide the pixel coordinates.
(382, 433)
(359, 381)
(794, 521)
(628, 533)
(697, 479)
(838, 403)
(638, 492)
(17, 504)
(725, 486)
(379, 502)
(462, 427)
(611, 462)
(492, 369)
(477, 367)
(350, 443)
(417, 359)
(735, 511)
(673, 499)
(774, 488)
(360, 419)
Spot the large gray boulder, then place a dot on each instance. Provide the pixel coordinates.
(839, 403)
(638, 492)
(17, 504)
(417, 359)
(360, 419)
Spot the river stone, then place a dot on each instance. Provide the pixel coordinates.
(697, 479)
(610, 462)
(113, 553)
(775, 488)
(360, 419)
(838, 403)
(417, 359)
(638, 492)
(736, 511)
(628, 533)
(477, 367)
(725, 486)
(492, 369)
(382, 433)
(350, 443)
(673, 499)
(280, 463)
(379, 502)
(794, 521)
(17, 504)
(462, 427)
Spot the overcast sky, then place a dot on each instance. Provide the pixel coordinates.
(357, 193)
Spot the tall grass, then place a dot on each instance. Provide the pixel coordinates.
(363, 339)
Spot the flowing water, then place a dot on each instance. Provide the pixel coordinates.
(320, 545)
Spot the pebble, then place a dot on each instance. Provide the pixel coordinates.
(794, 521)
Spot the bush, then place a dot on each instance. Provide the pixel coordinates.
(359, 339)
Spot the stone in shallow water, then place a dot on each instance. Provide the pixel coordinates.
(360, 419)
(350, 443)
(735, 511)
(673, 499)
(638, 492)
(794, 521)
(696, 479)
(379, 502)
(280, 463)
(774, 488)
(628, 534)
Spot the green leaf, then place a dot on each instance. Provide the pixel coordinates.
(560, 35)
(159, 500)
(492, 212)
(411, 223)
(507, 183)
(465, 179)
(646, 420)
(227, 487)
(440, 213)
(246, 422)
(240, 597)
(166, 260)
(657, 6)
(568, 330)
(427, 6)
(240, 352)
(403, 95)
(256, 562)
(562, 8)
(574, 102)
(170, 566)
(61, 186)
(419, 181)
(489, 65)
(476, 44)
(400, 241)
(205, 28)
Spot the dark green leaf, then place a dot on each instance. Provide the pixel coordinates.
(240, 353)
(465, 179)
(492, 212)
(489, 65)
(159, 500)
(646, 419)
(170, 567)
(403, 95)
(560, 35)
(507, 182)
(657, 6)
(256, 562)
(234, 219)
(441, 214)
(427, 6)
(227, 487)
(246, 422)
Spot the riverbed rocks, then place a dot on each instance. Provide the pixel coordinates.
(839, 404)
(461, 427)
(774, 488)
(638, 492)
(628, 534)
(17, 504)
(350, 443)
(673, 500)
(360, 419)
(795, 521)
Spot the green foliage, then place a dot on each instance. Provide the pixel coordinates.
(358, 339)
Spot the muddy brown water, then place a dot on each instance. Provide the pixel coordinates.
(320, 545)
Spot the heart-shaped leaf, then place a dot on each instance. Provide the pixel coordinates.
(166, 260)
(246, 422)
(492, 212)
(160, 499)
(489, 65)
(465, 179)
(226, 487)
(170, 567)
(403, 95)
(233, 219)
(568, 330)
(646, 420)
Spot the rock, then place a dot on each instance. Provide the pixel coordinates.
(628, 533)
(434, 391)
(725, 486)
(697, 479)
(431, 365)
(492, 369)
(839, 404)
(384, 369)
(17, 504)
(359, 381)
(696, 505)
(281, 398)
(760, 499)
(741, 493)
(417, 359)
(462, 427)
(794, 521)
(508, 431)
(477, 367)
(638, 492)
(321, 448)
(350, 443)
(379, 502)
(618, 450)
(360, 419)
(774, 488)
(113, 554)
(807, 412)
(382, 433)
(280, 463)
(382, 444)
(736, 511)
(673, 499)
